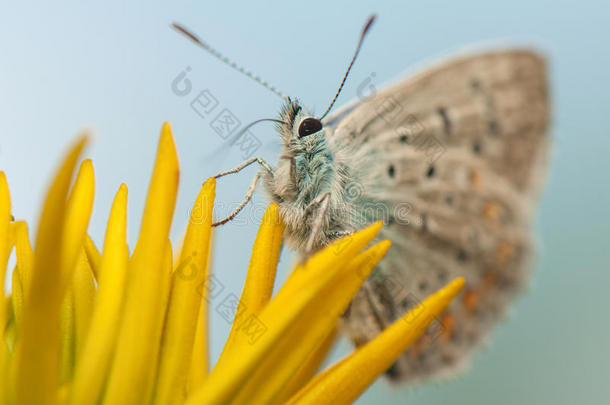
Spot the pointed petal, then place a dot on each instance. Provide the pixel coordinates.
(83, 293)
(5, 242)
(263, 263)
(78, 212)
(261, 275)
(24, 254)
(94, 256)
(132, 376)
(307, 370)
(185, 300)
(94, 360)
(33, 360)
(346, 380)
(23, 270)
(198, 368)
(5, 217)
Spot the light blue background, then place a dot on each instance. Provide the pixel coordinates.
(67, 66)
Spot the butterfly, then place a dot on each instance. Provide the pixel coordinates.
(451, 160)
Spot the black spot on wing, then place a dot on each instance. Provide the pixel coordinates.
(462, 256)
(391, 171)
(442, 111)
(476, 147)
(492, 127)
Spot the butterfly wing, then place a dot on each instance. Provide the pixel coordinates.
(451, 159)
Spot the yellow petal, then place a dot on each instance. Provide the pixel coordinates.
(5, 217)
(307, 370)
(260, 277)
(78, 212)
(198, 369)
(132, 376)
(33, 360)
(346, 380)
(76, 314)
(185, 300)
(282, 312)
(23, 270)
(199, 366)
(94, 257)
(63, 394)
(166, 282)
(7, 349)
(67, 336)
(83, 293)
(9, 335)
(24, 254)
(263, 263)
(94, 360)
(17, 298)
(311, 328)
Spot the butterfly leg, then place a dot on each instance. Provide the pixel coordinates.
(321, 204)
(251, 189)
(241, 206)
(247, 163)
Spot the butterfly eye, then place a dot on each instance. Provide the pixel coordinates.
(309, 126)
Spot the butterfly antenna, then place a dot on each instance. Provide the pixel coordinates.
(226, 60)
(366, 28)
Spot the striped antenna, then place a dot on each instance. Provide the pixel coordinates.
(366, 28)
(227, 61)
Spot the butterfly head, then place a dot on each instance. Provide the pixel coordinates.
(297, 124)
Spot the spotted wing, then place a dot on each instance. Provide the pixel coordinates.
(451, 159)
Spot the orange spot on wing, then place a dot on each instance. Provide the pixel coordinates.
(416, 348)
(476, 179)
(489, 279)
(448, 322)
(504, 251)
(492, 211)
(471, 300)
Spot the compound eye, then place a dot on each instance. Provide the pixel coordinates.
(309, 126)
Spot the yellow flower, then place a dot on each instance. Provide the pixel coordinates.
(84, 327)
